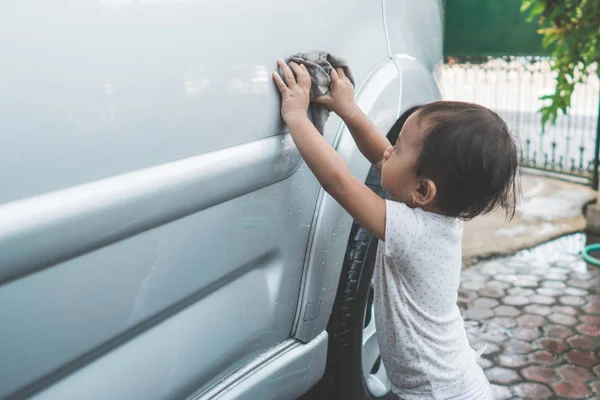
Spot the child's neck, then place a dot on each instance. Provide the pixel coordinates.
(430, 208)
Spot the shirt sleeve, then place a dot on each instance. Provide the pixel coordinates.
(401, 227)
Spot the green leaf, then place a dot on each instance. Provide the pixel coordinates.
(538, 8)
(547, 40)
(570, 30)
(526, 4)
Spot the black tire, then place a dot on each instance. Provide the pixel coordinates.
(344, 378)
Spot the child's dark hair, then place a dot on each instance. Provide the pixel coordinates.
(470, 155)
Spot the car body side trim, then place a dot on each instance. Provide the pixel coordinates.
(41, 231)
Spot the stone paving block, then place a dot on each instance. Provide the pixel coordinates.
(500, 392)
(583, 342)
(571, 291)
(490, 348)
(542, 299)
(505, 322)
(532, 391)
(562, 319)
(492, 268)
(590, 319)
(554, 284)
(583, 276)
(570, 390)
(478, 314)
(466, 295)
(595, 386)
(519, 291)
(574, 374)
(563, 267)
(494, 335)
(555, 275)
(511, 360)
(526, 333)
(530, 320)
(502, 376)
(484, 302)
(492, 292)
(542, 358)
(472, 284)
(597, 370)
(539, 374)
(515, 346)
(578, 283)
(508, 278)
(516, 263)
(514, 300)
(526, 283)
(588, 329)
(547, 291)
(593, 298)
(498, 284)
(565, 310)
(537, 309)
(506, 311)
(591, 308)
(558, 331)
(553, 345)
(581, 358)
(571, 300)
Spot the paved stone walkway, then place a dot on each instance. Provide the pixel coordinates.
(539, 314)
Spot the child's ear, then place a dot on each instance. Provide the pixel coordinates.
(426, 192)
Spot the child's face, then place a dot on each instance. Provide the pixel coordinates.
(397, 174)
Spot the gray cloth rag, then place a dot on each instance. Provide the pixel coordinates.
(319, 65)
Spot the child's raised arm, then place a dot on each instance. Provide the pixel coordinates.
(330, 169)
(340, 100)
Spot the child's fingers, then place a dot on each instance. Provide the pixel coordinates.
(334, 76)
(287, 73)
(307, 76)
(340, 71)
(279, 82)
(325, 99)
(301, 74)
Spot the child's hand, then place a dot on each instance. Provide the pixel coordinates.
(295, 92)
(341, 97)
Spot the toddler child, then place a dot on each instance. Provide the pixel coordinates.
(452, 162)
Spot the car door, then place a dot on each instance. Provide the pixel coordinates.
(155, 214)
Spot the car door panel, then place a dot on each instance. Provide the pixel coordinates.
(91, 304)
(155, 216)
(146, 82)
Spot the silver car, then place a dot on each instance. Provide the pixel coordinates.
(160, 235)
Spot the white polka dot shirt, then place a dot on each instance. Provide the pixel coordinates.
(421, 333)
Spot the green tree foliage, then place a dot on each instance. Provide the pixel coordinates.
(571, 32)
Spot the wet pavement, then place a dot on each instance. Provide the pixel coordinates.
(538, 312)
